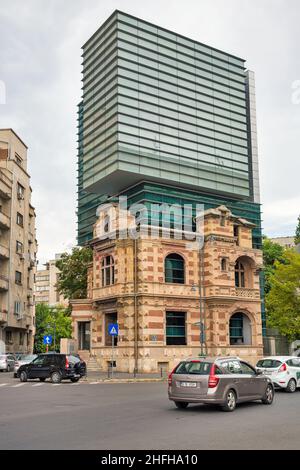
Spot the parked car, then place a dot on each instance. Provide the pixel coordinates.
(284, 371)
(55, 366)
(224, 381)
(21, 360)
(7, 362)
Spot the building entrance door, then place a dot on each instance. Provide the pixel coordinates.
(84, 335)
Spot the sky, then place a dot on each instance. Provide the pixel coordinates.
(40, 69)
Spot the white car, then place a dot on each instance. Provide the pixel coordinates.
(284, 371)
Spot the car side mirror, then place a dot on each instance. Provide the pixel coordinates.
(258, 372)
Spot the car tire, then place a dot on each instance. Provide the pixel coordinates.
(230, 403)
(181, 404)
(74, 379)
(42, 379)
(55, 377)
(268, 396)
(291, 386)
(23, 376)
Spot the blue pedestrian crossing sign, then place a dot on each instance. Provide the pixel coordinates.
(113, 329)
(47, 339)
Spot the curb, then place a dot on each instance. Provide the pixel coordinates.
(139, 380)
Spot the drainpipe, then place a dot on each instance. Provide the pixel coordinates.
(202, 293)
(135, 286)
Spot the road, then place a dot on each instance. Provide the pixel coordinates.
(136, 416)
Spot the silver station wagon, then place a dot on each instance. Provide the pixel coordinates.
(224, 381)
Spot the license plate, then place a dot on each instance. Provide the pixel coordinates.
(267, 372)
(188, 384)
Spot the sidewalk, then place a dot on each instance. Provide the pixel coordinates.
(119, 377)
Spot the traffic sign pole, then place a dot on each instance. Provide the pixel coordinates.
(112, 356)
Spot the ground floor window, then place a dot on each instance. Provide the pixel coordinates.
(175, 328)
(240, 329)
(110, 318)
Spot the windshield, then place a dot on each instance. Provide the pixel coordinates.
(269, 363)
(28, 358)
(194, 367)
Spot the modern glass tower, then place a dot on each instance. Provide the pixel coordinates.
(164, 118)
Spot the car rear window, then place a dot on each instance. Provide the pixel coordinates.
(269, 363)
(73, 359)
(194, 367)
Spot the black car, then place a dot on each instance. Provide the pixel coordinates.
(55, 366)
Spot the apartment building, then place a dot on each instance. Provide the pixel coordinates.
(18, 246)
(45, 285)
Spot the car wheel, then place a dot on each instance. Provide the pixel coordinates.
(181, 404)
(23, 376)
(291, 386)
(230, 403)
(74, 379)
(268, 396)
(55, 377)
(42, 379)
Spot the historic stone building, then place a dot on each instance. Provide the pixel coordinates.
(160, 289)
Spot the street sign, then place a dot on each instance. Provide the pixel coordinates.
(47, 339)
(113, 329)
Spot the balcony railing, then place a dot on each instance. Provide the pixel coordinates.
(3, 316)
(4, 252)
(5, 185)
(3, 282)
(4, 221)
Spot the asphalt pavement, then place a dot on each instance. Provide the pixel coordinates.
(95, 415)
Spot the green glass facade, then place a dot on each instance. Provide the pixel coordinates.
(163, 119)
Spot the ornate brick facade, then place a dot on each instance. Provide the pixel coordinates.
(222, 279)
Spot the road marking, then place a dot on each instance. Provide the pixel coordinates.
(94, 383)
(2, 385)
(56, 385)
(37, 385)
(18, 385)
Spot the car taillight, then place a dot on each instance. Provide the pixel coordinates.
(67, 362)
(213, 380)
(282, 368)
(170, 376)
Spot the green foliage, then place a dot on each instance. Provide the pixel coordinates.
(272, 252)
(72, 282)
(297, 234)
(49, 320)
(283, 299)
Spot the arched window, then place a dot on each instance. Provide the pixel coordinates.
(239, 274)
(174, 269)
(240, 329)
(108, 271)
(223, 264)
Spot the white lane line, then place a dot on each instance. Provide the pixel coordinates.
(3, 385)
(56, 385)
(37, 385)
(94, 383)
(18, 385)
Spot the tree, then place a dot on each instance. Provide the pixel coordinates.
(54, 321)
(272, 252)
(283, 300)
(297, 234)
(72, 281)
